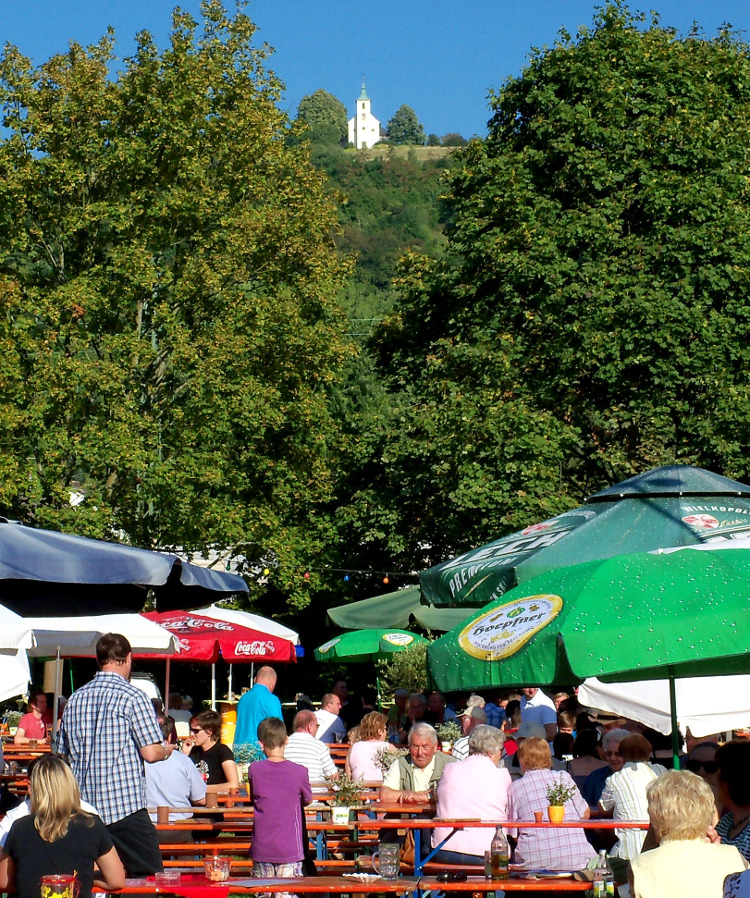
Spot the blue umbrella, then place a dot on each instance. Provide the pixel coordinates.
(44, 572)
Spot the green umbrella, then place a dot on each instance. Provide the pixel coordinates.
(396, 609)
(679, 613)
(676, 505)
(366, 645)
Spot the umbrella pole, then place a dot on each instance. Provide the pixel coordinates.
(673, 715)
(56, 702)
(229, 686)
(213, 686)
(166, 684)
(377, 687)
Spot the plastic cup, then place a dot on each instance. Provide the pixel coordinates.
(216, 868)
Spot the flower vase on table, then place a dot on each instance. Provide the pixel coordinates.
(347, 793)
(558, 794)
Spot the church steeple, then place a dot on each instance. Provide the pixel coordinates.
(364, 128)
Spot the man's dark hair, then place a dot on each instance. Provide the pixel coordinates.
(166, 724)
(271, 732)
(112, 647)
(369, 697)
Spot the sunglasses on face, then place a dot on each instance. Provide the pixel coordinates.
(196, 730)
(694, 766)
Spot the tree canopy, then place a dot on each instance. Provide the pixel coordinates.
(405, 127)
(168, 330)
(590, 317)
(325, 116)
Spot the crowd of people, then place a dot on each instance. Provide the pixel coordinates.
(91, 808)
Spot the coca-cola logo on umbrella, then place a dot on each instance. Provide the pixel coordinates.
(257, 647)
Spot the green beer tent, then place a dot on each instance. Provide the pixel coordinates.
(675, 505)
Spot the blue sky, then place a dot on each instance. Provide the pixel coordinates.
(440, 57)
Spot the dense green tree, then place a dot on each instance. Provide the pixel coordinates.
(405, 127)
(590, 317)
(168, 328)
(325, 116)
(453, 139)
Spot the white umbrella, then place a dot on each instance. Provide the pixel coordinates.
(705, 704)
(254, 622)
(76, 637)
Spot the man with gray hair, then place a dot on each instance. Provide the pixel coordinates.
(303, 748)
(594, 785)
(472, 717)
(409, 780)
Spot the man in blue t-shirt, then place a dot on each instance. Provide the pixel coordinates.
(256, 705)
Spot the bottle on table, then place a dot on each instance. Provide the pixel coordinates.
(604, 880)
(499, 855)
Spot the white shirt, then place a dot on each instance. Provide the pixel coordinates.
(539, 709)
(461, 748)
(328, 724)
(173, 783)
(306, 750)
(625, 794)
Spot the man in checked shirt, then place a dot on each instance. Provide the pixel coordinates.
(108, 730)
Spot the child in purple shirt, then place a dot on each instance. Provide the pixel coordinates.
(278, 789)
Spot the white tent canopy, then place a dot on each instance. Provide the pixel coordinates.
(704, 704)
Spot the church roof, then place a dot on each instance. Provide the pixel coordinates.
(363, 95)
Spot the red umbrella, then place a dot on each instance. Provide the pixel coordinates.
(203, 638)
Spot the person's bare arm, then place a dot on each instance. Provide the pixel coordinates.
(402, 796)
(111, 870)
(231, 781)
(7, 873)
(158, 751)
(550, 731)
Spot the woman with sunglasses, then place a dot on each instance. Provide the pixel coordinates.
(215, 762)
(701, 760)
(733, 828)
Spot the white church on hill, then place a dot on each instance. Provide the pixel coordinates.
(364, 128)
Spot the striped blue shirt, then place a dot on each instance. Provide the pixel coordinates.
(104, 726)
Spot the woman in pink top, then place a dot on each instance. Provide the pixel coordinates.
(474, 787)
(360, 762)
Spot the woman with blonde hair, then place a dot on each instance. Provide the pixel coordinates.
(57, 837)
(361, 761)
(681, 809)
(546, 849)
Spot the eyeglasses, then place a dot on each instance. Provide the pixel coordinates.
(693, 765)
(196, 729)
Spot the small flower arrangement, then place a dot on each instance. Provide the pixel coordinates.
(244, 755)
(385, 756)
(247, 752)
(559, 793)
(449, 731)
(346, 791)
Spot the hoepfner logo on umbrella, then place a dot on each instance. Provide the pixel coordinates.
(504, 630)
(398, 638)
